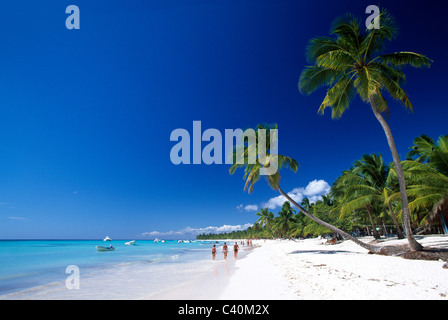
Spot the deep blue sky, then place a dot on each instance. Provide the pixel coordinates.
(86, 115)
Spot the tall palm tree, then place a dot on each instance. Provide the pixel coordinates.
(252, 176)
(350, 64)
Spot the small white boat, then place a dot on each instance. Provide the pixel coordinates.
(179, 241)
(156, 240)
(130, 243)
(163, 241)
(107, 239)
(102, 249)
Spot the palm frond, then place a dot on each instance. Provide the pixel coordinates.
(314, 77)
(376, 38)
(339, 96)
(399, 59)
(395, 90)
(320, 45)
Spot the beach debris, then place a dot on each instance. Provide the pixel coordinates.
(445, 264)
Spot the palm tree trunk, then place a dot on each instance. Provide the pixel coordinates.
(376, 235)
(329, 226)
(401, 181)
(397, 225)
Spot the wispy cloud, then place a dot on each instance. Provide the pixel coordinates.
(18, 218)
(190, 232)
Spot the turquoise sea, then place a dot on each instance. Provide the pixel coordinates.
(36, 269)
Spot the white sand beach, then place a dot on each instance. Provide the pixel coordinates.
(308, 269)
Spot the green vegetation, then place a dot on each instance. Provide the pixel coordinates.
(365, 199)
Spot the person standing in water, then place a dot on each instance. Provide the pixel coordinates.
(214, 252)
(235, 250)
(225, 250)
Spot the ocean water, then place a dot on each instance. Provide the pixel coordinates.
(36, 269)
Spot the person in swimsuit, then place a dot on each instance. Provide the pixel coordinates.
(214, 252)
(224, 250)
(235, 250)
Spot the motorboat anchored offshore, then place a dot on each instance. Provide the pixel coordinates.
(102, 249)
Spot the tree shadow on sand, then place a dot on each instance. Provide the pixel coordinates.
(323, 252)
(428, 253)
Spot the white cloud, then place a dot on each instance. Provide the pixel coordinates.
(317, 188)
(251, 207)
(190, 232)
(313, 191)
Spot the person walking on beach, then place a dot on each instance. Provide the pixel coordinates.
(214, 252)
(224, 250)
(235, 250)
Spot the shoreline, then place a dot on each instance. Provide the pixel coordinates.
(211, 283)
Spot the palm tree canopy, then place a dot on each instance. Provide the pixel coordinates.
(266, 217)
(252, 170)
(363, 185)
(285, 217)
(428, 187)
(426, 150)
(350, 63)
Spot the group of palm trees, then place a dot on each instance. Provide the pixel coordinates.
(350, 63)
(367, 196)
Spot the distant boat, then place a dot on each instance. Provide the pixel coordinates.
(179, 241)
(107, 239)
(130, 243)
(156, 240)
(163, 241)
(102, 249)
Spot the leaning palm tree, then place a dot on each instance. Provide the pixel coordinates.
(350, 64)
(252, 176)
